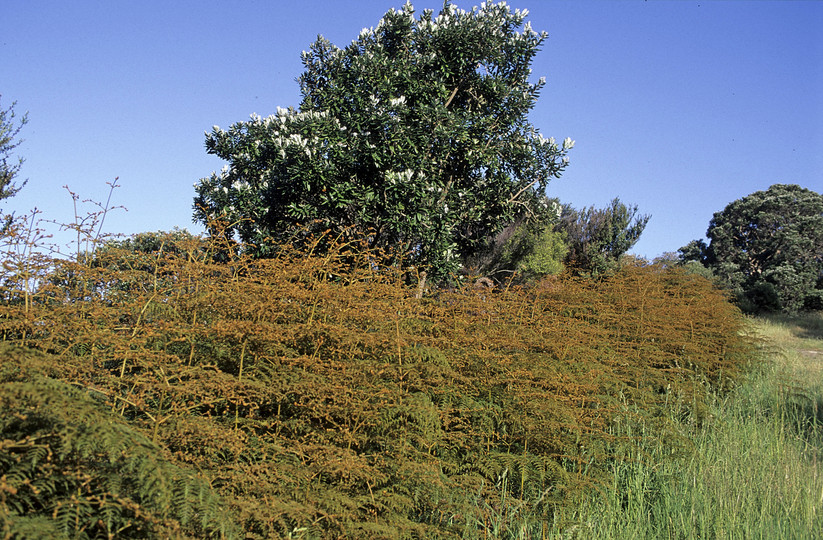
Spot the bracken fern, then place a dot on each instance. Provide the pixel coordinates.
(316, 396)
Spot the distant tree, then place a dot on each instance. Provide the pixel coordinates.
(598, 237)
(674, 259)
(144, 261)
(415, 136)
(153, 256)
(9, 165)
(768, 249)
(176, 241)
(694, 251)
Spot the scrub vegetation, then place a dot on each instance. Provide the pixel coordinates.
(151, 391)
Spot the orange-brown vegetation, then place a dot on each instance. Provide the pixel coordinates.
(313, 394)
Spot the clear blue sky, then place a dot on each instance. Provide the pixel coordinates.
(679, 107)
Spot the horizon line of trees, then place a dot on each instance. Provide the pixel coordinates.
(415, 138)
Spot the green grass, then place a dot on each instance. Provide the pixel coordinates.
(754, 469)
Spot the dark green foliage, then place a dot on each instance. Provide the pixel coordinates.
(598, 237)
(694, 251)
(415, 136)
(768, 249)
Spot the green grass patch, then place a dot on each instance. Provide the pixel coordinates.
(754, 469)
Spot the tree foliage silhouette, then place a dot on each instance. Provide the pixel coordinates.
(598, 237)
(767, 248)
(10, 166)
(415, 134)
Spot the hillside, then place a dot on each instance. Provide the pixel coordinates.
(157, 393)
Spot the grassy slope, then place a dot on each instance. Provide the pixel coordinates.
(755, 470)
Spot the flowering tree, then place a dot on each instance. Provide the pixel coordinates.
(416, 134)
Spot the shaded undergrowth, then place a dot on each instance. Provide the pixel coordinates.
(313, 396)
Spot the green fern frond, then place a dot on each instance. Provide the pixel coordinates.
(88, 468)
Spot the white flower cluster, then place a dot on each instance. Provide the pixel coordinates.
(402, 177)
(287, 116)
(568, 144)
(282, 136)
(240, 185)
(558, 208)
(543, 141)
(333, 52)
(218, 181)
(447, 18)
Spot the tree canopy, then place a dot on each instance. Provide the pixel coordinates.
(415, 135)
(598, 237)
(768, 248)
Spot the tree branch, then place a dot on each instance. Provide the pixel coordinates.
(451, 97)
(516, 195)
